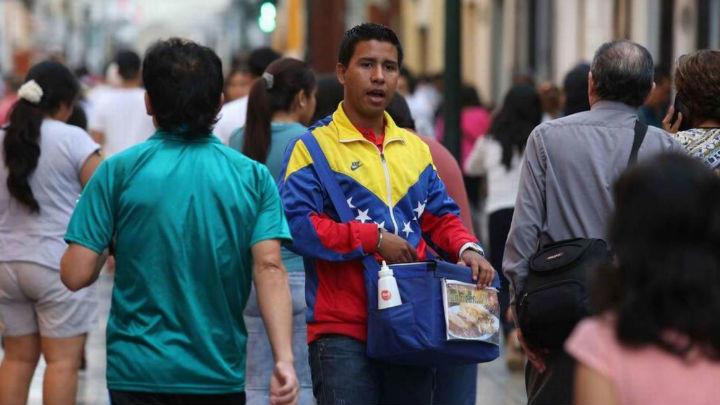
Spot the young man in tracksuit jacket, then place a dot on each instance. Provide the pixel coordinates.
(401, 208)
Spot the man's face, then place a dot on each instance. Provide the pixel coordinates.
(371, 77)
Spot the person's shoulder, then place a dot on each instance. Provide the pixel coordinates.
(65, 131)
(235, 105)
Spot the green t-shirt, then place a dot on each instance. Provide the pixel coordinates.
(183, 215)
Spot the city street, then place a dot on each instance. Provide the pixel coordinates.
(496, 386)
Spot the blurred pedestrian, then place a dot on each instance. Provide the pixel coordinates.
(118, 119)
(657, 103)
(192, 223)
(564, 193)
(237, 84)
(656, 339)
(12, 84)
(233, 114)
(280, 106)
(698, 89)
(475, 121)
(329, 95)
(551, 99)
(498, 156)
(46, 164)
(370, 156)
(575, 88)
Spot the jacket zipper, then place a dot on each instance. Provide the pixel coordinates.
(387, 181)
(389, 190)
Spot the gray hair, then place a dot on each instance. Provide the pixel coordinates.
(623, 71)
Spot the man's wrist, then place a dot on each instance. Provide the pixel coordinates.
(380, 238)
(473, 247)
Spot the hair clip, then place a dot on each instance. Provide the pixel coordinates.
(31, 91)
(268, 77)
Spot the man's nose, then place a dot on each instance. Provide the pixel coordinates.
(377, 74)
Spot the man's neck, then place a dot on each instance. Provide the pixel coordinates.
(130, 84)
(376, 124)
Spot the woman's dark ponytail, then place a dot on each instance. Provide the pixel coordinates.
(256, 142)
(275, 91)
(22, 151)
(21, 144)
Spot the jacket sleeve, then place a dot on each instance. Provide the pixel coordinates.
(316, 233)
(440, 220)
(529, 215)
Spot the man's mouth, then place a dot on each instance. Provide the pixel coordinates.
(376, 96)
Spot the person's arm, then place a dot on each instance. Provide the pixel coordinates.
(88, 168)
(593, 388)
(527, 222)
(98, 136)
(89, 232)
(273, 295)
(316, 234)
(80, 266)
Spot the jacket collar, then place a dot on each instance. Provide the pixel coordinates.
(347, 132)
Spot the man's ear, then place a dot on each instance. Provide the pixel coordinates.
(340, 70)
(148, 105)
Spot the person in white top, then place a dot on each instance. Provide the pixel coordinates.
(498, 156)
(232, 115)
(119, 119)
(46, 164)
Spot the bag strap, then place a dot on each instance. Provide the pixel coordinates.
(640, 131)
(331, 186)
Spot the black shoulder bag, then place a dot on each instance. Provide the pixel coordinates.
(555, 296)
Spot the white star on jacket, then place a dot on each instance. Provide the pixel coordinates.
(349, 201)
(363, 216)
(419, 210)
(381, 225)
(407, 229)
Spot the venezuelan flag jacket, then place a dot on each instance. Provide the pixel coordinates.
(397, 189)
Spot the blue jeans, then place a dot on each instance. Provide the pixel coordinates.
(342, 374)
(259, 354)
(455, 385)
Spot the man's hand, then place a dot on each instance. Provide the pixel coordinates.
(284, 387)
(482, 270)
(395, 249)
(668, 125)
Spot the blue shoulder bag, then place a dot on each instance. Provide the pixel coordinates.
(414, 332)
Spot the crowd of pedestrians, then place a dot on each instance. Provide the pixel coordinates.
(235, 281)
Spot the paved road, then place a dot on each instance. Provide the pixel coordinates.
(496, 386)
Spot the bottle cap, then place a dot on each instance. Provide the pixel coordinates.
(385, 270)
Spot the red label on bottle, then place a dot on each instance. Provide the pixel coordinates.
(385, 294)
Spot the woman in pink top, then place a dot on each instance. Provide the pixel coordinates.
(658, 340)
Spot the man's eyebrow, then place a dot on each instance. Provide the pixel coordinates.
(375, 60)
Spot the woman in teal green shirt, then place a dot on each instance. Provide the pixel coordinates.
(280, 104)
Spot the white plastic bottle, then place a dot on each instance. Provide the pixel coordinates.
(388, 293)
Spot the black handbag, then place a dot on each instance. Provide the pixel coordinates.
(555, 296)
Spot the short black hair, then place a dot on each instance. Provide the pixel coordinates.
(623, 71)
(184, 81)
(367, 32)
(667, 271)
(128, 63)
(259, 60)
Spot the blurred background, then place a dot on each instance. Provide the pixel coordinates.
(500, 41)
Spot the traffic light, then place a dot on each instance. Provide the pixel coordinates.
(267, 17)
